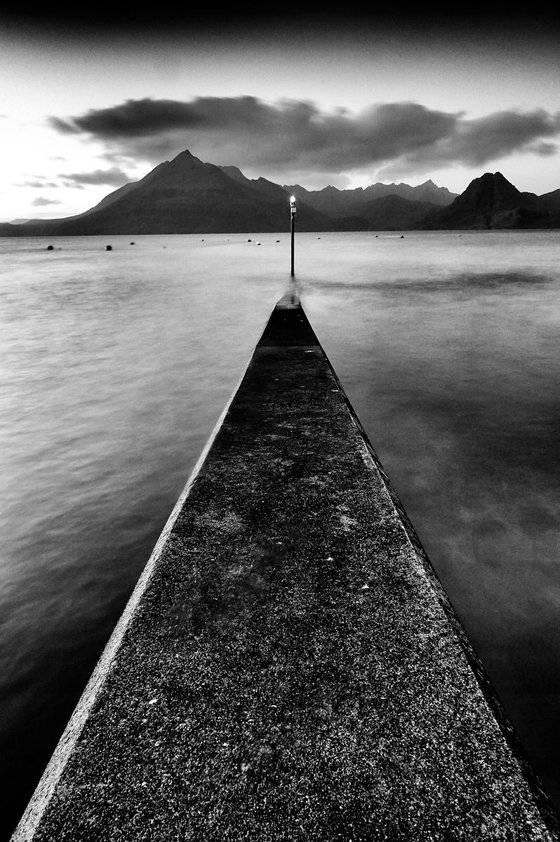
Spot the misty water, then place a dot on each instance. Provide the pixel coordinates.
(115, 365)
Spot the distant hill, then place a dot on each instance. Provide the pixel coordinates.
(491, 201)
(343, 203)
(188, 196)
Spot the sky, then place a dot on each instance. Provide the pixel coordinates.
(343, 98)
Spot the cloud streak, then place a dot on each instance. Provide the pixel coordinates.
(41, 202)
(292, 136)
(113, 176)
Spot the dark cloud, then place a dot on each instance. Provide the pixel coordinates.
(477, 141)
(133, 118)
(474, 143)
(291, 136)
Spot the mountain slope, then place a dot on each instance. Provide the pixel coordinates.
(394, 213)
(550, 201)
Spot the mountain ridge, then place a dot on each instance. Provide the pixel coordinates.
(189, 196)
(339, 201)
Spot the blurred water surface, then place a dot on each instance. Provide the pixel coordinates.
(115, 365)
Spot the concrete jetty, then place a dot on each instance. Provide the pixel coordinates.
(289, 666)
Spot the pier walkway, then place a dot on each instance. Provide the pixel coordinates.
(289, 666)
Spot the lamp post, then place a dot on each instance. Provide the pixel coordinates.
(293, 228)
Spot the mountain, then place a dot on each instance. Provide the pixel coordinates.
(394, 213)
(182, 196)
(491, 201)
(550, 201)
(344, 203)
(188, 196)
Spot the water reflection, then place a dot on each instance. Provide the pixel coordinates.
(456, 379)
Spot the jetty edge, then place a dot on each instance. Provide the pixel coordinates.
(289, 666)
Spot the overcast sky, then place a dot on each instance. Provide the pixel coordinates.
(89, 104)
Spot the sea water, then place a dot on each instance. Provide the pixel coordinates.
(115, 365)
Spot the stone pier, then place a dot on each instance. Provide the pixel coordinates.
(288, 667)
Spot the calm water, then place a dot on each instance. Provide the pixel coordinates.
(114, 367)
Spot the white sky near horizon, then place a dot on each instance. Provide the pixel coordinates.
(67, 75)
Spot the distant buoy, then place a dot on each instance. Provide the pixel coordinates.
(108, 248)
(132, 243)
(50, 248)
(249, 240)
